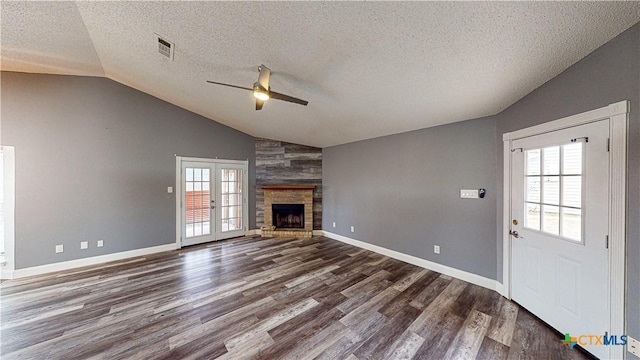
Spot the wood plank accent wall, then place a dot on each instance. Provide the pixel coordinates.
(282, 163)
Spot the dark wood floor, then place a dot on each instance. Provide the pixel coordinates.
(267, 299)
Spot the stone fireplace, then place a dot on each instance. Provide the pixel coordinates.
(288, 211)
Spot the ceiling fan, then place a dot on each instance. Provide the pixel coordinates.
(262, 91)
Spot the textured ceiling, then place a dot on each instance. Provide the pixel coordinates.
(368, 69)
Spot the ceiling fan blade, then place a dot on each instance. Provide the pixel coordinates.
(229, 85)
(278, 96)
(259, 104)
(263, 78)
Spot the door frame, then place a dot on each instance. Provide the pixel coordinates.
(178, 190)
(7, 265)
(618, 115)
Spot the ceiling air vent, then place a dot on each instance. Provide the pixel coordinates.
(165, 47)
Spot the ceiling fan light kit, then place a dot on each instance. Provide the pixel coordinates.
(259, 93)
(262, 91)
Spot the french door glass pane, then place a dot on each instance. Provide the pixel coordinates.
(231, 199)
(572, 191)
(551, 219)
(572, 223)
(235, 224)
(533, 162)
(533, 189)
(551, 160)
(1, 202)
(532, 216)
(197, 201)
(551, 190)
(572, 159)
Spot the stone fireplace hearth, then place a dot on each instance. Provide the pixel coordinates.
(293, 216)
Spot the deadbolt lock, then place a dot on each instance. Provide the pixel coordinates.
(515, 222)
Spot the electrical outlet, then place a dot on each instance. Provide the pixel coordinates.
(169, 189)
(100, 243)
(436, 249)
(59, 248)
(469, 194)
(84, 245)
(334, 224)
(633, 346)
(353, 229)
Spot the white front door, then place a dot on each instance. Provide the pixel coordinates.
(559, 221)
(213, 202)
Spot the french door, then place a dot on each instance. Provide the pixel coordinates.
(213, 200)
(559, 229)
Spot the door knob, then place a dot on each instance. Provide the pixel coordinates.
(515, 234)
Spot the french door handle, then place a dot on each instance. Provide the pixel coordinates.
(515, 234)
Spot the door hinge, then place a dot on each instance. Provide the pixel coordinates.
(606, 241)
(608, 144)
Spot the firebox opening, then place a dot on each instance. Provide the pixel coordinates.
(288, 216)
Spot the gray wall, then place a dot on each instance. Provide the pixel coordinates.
(402, 192)
(93, 161)
(283, 163)
(413, 178)
(608, 75)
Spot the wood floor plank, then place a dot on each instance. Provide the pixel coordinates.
(467, 343)
(438, 308)
(358, 334)
(405, 347)
(265, 298)
(503, 324)
(492, 350)
(256, 331)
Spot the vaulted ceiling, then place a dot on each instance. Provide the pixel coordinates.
(368, 69)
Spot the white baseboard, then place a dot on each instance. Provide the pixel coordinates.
(259, 232)
(94, 260)
(443, 269)
(502, 290)
(6, 274)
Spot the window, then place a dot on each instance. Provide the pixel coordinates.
(553, 190)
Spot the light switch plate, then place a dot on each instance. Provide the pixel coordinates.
(169, 189)
(59, 248)
(100, 243)
(469, 194)
(84, 245)
(353, 229)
